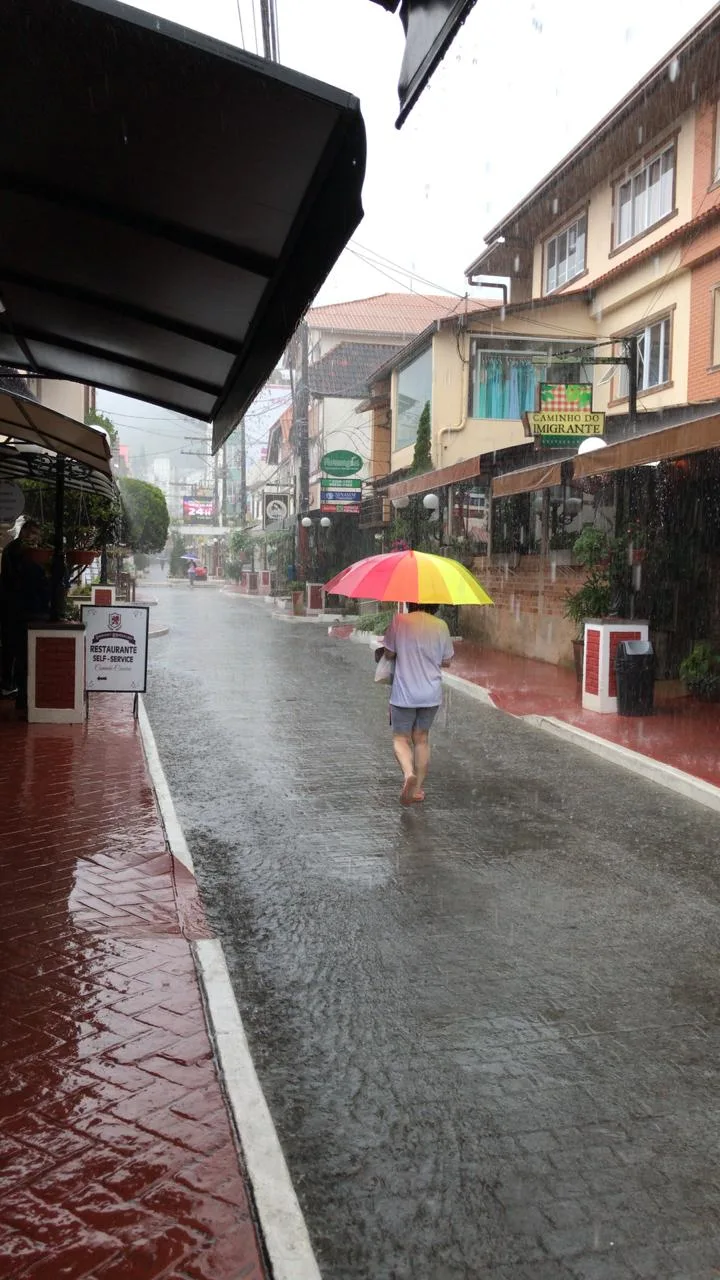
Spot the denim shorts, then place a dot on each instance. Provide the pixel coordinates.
(405, 719)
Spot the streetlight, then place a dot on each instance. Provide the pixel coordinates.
(325, 523)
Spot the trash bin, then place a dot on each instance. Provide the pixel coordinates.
(635, 677)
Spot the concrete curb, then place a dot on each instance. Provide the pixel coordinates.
(665, 775)
(158, 631)
(280, 1217)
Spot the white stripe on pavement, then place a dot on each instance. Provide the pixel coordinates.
(282, 1225)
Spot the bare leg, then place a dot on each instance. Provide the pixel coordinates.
(403, 748)
(421, 740)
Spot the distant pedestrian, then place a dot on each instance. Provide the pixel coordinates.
(421, 646)
(191, 574)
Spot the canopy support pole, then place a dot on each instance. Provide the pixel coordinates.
(57, 588)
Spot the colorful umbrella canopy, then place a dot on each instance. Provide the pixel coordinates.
(413, 577)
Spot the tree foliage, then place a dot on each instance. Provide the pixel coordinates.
(95, 419)
(146, 515)
(422, 457)
(240, 545)
(177, 550)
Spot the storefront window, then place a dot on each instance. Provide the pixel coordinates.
(414, 391)
(505, 374)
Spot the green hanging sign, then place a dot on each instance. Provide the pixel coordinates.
(341, 462)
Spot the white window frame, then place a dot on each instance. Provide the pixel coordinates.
(641, 195)
(645, 337)
(553, 247)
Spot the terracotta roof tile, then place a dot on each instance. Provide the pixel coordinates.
(390, 313)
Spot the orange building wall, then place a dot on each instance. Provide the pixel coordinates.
(702, 255)
(705, 193)
(703, 379)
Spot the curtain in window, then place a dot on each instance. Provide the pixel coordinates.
(504, 386)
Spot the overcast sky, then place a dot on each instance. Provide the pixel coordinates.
(522, 83)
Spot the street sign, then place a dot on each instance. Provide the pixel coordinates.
(560, 424)
(340, 508)
(276, 507)
(341, 462)
(338, 482)
(116, 642)
(339, 495)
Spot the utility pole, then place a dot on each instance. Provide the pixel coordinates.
(268, 17)
(632, 363)
(243, 475)
(223, 500)
(301, 408)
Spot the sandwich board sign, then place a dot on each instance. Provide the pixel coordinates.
(116, 646)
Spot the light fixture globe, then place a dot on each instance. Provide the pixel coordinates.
(400, 503)
(431, 502)
(591, 444)
(325, 522)
(306, 522)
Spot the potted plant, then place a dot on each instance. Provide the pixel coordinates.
(592, 549)
(700, 672)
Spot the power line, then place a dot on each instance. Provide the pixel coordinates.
(414, 275)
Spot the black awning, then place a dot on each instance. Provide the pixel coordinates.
(169, 204)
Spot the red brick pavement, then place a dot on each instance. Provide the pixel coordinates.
(117, 1158)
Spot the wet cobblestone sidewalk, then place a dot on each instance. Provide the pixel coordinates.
(117, 1159)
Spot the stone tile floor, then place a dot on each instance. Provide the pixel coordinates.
(117, 1158)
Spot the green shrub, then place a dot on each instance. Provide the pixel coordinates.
(700, 672)
(377, 623)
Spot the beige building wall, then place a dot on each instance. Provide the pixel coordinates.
(651, 294)
(600, 256)
(71, 398)
(456, 436)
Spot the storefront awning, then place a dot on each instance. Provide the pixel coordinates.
(656, 446)
(23, 462)
(169, 204)
(25, 419)
(456, 474)
(527, 480)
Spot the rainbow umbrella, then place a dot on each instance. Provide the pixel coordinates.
(413, 577)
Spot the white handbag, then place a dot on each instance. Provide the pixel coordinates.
(384, 670)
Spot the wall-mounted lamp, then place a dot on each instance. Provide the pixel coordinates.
(400, 503)
(592, 444)
(431, 502)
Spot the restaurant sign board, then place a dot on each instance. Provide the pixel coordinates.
(116, 644)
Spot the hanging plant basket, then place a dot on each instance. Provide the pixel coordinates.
(39, 555)
(81, 557)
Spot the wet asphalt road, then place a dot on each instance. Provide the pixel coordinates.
(487, 1029)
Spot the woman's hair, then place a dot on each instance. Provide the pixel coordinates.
(427, 608)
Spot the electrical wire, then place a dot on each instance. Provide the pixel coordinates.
(242, 33)
(388, 262)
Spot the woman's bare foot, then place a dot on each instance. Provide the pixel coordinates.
(418, 797)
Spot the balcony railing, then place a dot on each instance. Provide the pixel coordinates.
(375, 512)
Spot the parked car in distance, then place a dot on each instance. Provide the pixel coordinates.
(200, 573)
